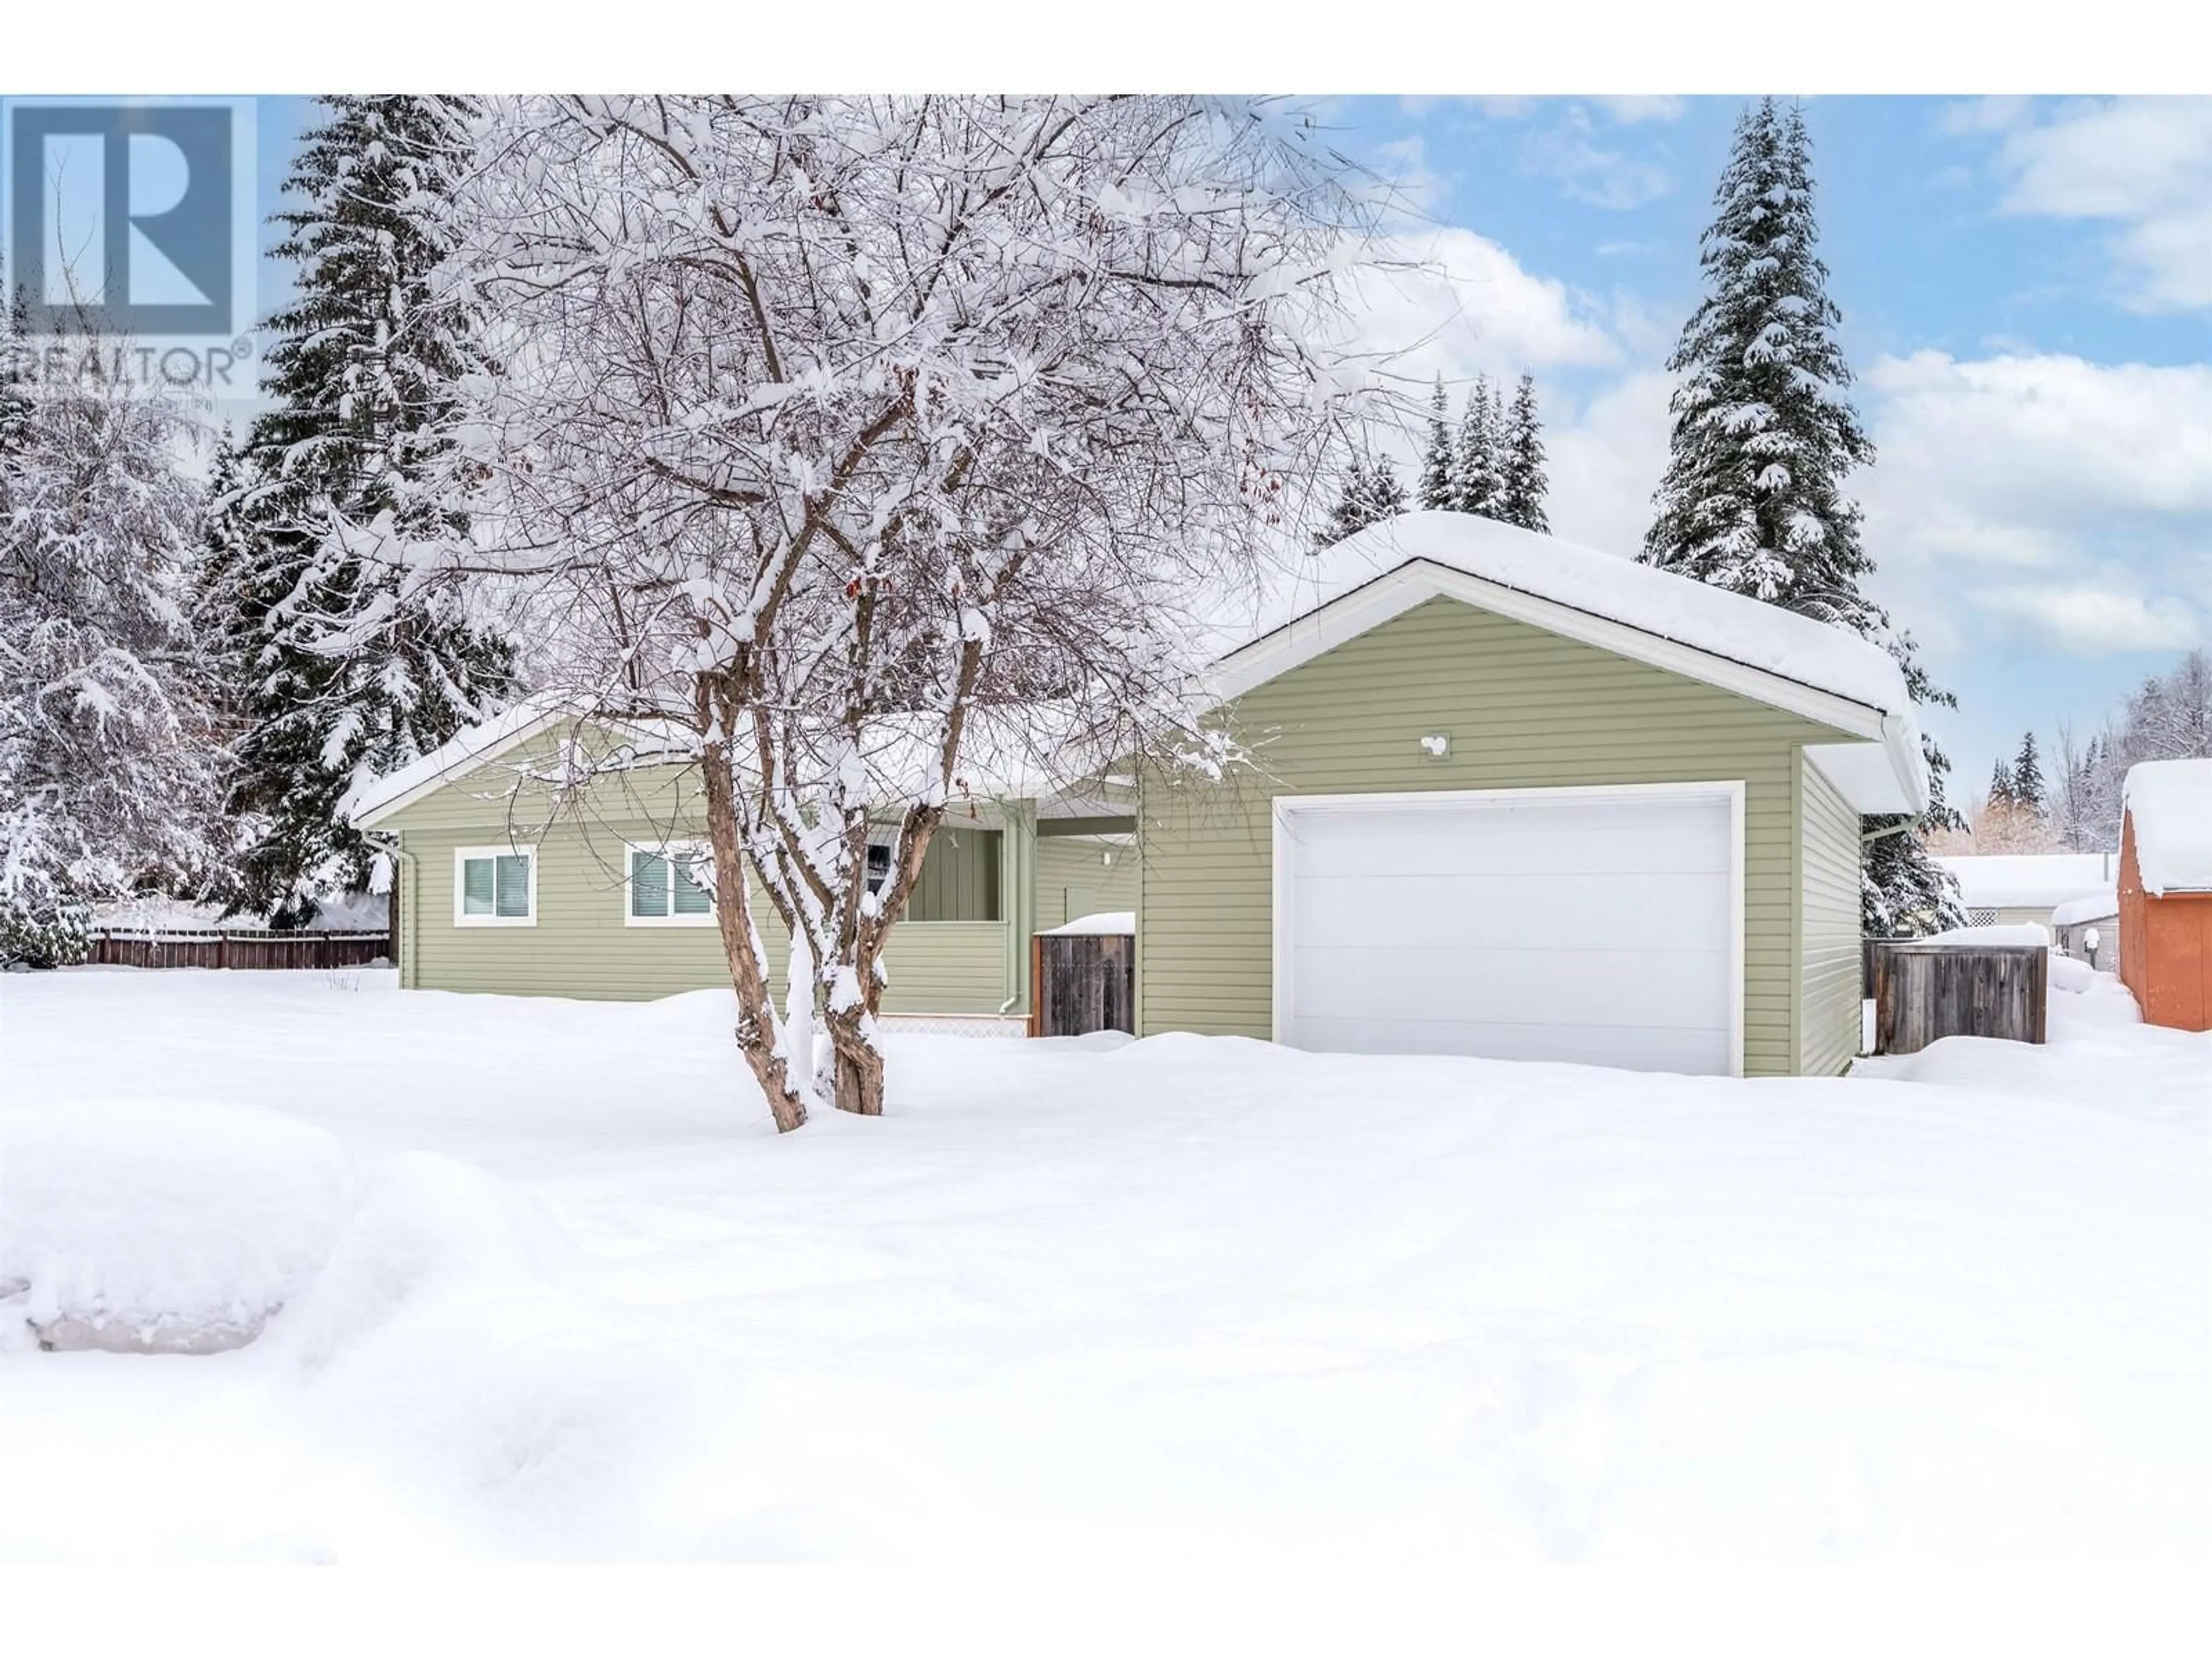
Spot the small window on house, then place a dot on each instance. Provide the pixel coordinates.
(495, 886)
(879, 865)
(668, 885)
(1981, 918)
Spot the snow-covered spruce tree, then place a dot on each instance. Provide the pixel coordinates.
(1521, 486)
(2027, 789)
(1438, 492)
(1476, 466)
(1902, 889)
(875, 442)
(1764, 438)
(1370, 493)
(1999, 785)
(108, 772)
(340, 675)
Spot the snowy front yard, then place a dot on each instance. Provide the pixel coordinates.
(556, 1291)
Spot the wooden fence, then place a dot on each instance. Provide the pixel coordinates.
(1923, 992)
(1082, 982)
(240, 947)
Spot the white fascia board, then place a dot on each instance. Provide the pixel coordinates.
(1322, 631)
(369, 817)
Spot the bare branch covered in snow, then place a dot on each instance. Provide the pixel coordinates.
(837, 428)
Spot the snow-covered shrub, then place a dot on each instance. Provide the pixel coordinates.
(161, 1225)
(43, 933)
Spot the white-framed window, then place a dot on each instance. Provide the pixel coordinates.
(879, 865)
(669, 885)
(495, 886)
(1978, 918)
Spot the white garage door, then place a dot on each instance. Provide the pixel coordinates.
(1578, 925)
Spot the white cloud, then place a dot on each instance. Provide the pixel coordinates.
(2143, 164)
(2040, 498)
(2091, 621)
(1410, 188)
(1631, 110)
(1605, 458)
(1602, 174)
(1459, 305)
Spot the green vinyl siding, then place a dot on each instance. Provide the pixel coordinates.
(1074, 879)
(582, 944)
(1525, 709)
(1829, 969)
(959, 879)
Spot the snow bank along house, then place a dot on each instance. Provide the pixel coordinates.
(2166, 891)
(1513, 798)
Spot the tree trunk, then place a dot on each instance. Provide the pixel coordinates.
(859, 1063)
(755, 1028)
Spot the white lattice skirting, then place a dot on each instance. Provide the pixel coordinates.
(968, 1026)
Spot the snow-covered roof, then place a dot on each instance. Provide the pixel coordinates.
(1823, 672)
(1311, 604)
(2090, 906)
(2170, 803)
(1998, 881)
(1026, 755)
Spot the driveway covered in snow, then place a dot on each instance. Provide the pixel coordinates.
(569, 1296)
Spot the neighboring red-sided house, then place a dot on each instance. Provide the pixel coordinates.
(2166, 891)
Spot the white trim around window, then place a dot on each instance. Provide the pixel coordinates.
(673, 853)
(464, 856)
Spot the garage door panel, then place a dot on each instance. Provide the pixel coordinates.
(1512, 840)
(1704, 1051)
(1599, 929)
(1582, 911)
(1569, 989)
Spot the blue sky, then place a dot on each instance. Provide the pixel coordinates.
(2026, 290)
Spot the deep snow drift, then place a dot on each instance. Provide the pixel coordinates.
(578, 1301)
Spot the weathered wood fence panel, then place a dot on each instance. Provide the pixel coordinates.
(1923, 992)
(123, 947)
(1082, 982)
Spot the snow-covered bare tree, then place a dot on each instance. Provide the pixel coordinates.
(2168, 717)
(863, 436)
(108, 772)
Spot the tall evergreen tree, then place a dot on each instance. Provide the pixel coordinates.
(1764, 438)
(1475, 461)
(2001, 786)
(1437, 491)
(2027, 789)
(1521, 484)
(1764, 435)
(340, 677)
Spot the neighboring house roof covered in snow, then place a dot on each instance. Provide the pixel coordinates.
(1823, 672)
(2025, 881)
(2090, 906)
(2170, 803)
